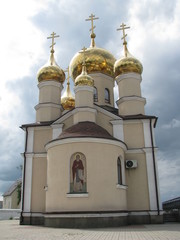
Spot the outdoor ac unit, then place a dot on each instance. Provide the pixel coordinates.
(131, 163)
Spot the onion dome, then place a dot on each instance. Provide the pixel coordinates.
(97, 59)
(68, 100)
(128, 63)
(51, 70)
(84, 79)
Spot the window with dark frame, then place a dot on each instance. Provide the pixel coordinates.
(107, 95)
(119, 169)
(95, 95)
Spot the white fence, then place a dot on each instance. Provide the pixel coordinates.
(6, 214)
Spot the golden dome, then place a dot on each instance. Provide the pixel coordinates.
(127, 64)
(84, 79)
(68, 100)
(97, 60)
(51, 71)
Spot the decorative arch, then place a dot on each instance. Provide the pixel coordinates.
(107, 95)
(78, 173)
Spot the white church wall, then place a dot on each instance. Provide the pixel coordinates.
(28, 183)
(104, 121)
(57, 130)
(137, 181)
(102, 81)
(42, 135)
(133, 134)
(39, 181)
(129, 84)
(101, 176)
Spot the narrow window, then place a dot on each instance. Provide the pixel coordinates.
(107, 95)
(119, 169)
(95, 94)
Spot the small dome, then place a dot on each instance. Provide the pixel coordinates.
(84, 79)
(51, 71)
(127, 64)
(97, 60)
(68, 100)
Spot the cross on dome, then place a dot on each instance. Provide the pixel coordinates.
(91, 18)
(68, 75)
(93, 35)
(83, 51)
(123, 27)
(53, 36)
(84, 60)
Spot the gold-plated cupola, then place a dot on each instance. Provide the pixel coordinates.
(98, 60)
(68, 100)
(84, 79)
(127, 63)
(51, 70)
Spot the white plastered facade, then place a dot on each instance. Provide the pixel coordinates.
(127, 137)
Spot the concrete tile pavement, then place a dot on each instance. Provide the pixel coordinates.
(11, 230)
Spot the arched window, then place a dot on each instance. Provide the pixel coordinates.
(107, 95)
(119, 169)
(95, 94)
(78, 173)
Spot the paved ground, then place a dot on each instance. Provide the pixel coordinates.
(11, 230)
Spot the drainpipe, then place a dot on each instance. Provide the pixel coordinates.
(24, 169)
(154, 165)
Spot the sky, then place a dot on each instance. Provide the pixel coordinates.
(153, 38)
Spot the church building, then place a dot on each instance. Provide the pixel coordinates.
(87, 161)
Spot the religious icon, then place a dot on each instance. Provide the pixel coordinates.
(78, 180)
(78, 174)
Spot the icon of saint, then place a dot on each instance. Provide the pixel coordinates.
(78, 174)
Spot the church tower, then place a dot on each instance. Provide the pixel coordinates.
(99, 65)
(50, 78)
(138, 133)
(87, 163)
(84, 96)
(128, 77)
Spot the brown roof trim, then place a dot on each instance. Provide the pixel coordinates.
(105, 107)
(37, 124)
(140, 116)
(127, 117)
(45, 123)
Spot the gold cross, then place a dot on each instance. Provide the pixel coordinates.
(123, 27)
(67, 70)
(91, 18)
(83, 51)
(53, 36)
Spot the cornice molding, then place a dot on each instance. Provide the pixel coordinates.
(85, 140)
(50, 83)
(131, 98)
(45, 105)
(135, 76)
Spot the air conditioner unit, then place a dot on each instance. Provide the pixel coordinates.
(131, 163)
